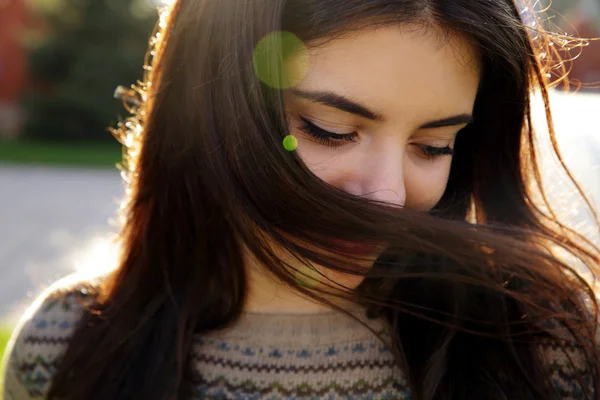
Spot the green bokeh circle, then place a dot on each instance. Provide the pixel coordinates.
(280, 60)
(290, 142)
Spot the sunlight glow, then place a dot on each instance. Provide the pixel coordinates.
(97, 257)
(576, 135)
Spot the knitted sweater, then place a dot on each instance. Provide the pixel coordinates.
(263, 356)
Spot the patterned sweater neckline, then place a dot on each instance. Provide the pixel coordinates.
(302, 329)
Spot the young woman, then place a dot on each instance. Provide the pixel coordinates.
(329, 199)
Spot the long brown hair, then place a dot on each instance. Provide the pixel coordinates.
(468, 287)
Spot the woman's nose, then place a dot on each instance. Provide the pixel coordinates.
(381, 179)
(388, 189)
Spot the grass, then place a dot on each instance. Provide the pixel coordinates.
(104, 155)
(4, 336)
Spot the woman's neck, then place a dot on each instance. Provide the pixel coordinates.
(268, 294)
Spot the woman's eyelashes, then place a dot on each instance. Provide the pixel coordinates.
(333, 139)
(326, 137)
(432, 152)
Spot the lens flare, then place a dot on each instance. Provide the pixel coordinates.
(308, 277)
(290, 143)
(280, 60)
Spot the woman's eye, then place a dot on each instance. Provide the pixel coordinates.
(326, 137)
(337, 139)
(433, 152)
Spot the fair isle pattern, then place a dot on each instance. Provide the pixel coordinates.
(566, 366)
(361, 369)
(564, 374)
(343, 359)
(42, 337)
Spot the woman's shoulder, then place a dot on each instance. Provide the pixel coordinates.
(42, 336)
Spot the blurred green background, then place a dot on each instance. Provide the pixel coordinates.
(60, 62)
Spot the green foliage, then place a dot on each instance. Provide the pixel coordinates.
(93, 47)
(80, 154)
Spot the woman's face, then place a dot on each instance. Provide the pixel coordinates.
(377, 113)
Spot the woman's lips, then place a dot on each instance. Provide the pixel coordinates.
(353, 247)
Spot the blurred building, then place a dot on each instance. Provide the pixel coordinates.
(575, 18)
(585, 19)
(18, 27)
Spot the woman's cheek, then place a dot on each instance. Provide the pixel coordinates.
(426, 183)
(332, 165)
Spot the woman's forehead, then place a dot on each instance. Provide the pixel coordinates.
(395, 71)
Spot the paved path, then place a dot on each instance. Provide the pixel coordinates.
(53, 221)
(50, 218)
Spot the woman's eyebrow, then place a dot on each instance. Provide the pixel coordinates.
(461, 119)
(340, 102)
(343, 103)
